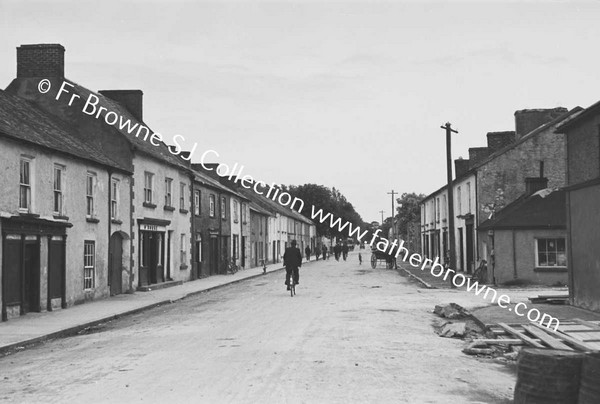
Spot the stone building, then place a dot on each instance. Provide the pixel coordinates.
(64, 214)
(112, 121)
(493, 177)
(583, 207)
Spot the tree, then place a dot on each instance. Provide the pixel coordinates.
(331, 201)
(408, 218)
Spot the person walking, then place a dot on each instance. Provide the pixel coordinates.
(317, 252)
(292, 261)
(337, 250)
(325, 252)
(359, 258)
(345, 250)
(307, 252)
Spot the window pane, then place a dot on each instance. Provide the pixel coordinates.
(542, 259)
(560, 245)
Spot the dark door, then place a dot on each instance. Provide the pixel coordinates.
(56, 269)
(31, 277)
(461, 249)
(115, 271)
(243, 252)
(274, 252)
(214, 255)
(153, 257)
(11, 272)
(470, 257)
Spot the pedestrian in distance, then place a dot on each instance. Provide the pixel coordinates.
(337, 251)
(345, 250)
(325, 256)
(317, 252)
(307, 251)
(292, 261)
(359, 259)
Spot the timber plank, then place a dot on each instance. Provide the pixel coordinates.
(567, 338)
(547, 338)
(520, 335)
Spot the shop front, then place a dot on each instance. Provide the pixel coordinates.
(29, 244)
(154, 242)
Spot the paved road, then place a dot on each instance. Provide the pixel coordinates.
(352, 334)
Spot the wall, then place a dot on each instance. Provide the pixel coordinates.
(524, 241)
(74, 207)
(180, 220)
(583, 151)
(583, 212)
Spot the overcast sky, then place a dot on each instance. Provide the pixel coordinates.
(344, 94)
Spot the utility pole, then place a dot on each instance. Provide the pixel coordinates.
(381, 211)
(393, 211)
(452, 253)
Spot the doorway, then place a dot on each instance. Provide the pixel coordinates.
(115, 270)
(470, 257)
(214, 255)
(461, 248)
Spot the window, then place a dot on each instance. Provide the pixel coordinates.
(445, 207)
(459, 201)
(168, 192)
(551, 252)
(148, 180)
(198, 247)
(211, 205)
(437, 209)
(182, 254)
(197, 202)
(58, 189)
(244, 214)
(223, 208)
(182, 195)
(89, 264)
(469, 196)
(25, 185)
(114, 198)
(235, 211)
(90, 186)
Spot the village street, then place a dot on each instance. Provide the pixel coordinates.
(351, 334)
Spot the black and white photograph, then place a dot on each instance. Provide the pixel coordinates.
(300, 201)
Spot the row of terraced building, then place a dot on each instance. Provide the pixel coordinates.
(89, 211)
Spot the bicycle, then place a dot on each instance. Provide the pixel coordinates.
(292, 284)
(230, 266)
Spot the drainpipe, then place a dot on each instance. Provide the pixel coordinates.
(109, 275)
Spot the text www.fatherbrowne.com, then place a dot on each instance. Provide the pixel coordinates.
(437, 270)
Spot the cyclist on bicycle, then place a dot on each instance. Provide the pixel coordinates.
(292, 261)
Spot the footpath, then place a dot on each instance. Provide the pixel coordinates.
(34, 328)
(487, 313)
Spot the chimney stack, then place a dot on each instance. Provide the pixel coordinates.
(527, 120)
(461, 166)
(130, 99)
(41, 60)
(534, 184)
(477, 154)
(498, 140)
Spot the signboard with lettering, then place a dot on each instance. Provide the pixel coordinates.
(152, 227)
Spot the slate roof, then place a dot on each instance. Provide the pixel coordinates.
(545, 209)
(207, 180)
(23, 121)
(160, 152)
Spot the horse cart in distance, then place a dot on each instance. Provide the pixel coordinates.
(383, 258)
